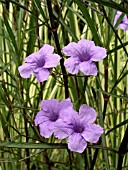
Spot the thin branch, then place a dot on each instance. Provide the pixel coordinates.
(54, 31)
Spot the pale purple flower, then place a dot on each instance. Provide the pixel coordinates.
(124, 23)
(79, 128)
(39, 63)
(50, 113)
(83, 54)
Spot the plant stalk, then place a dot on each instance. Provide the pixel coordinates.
(54, 31)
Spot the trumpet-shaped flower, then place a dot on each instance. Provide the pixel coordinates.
(39, 63)
(83, 55)
(79, 128)
(48, 116)
(124, 23)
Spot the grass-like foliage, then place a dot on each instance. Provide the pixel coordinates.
(25, 26)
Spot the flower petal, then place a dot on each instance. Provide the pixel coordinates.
(41, 117)
(124, 23)
(46, 49)
(123, 26)
(91, 52)
(117, 16)
(46, 129)
(62, 129)
(87, 114)
(76, 143)
(86, 46)
(97, 53)
(26, 70)
(51, 60)
(69, 115)
(88, 68)
(72, 65)
(32, 57)
(49, 105)
(42, 74)
(92, 133)
(72, 49)
(65, 104)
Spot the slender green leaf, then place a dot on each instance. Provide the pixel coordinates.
(111, 4)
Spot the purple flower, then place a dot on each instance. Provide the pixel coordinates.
(124, 23)
(40, 63)
(82, 55)
(79, 128)
(50, 113)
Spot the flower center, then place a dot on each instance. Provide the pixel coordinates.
(40, 62)
(78, 128)
(54, 117)
(84, 57)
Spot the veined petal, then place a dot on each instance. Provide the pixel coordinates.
(62, 129)
(76, 143)
(92, 133)
(88, 68)
(32, 57)
(46, 49)
(65, 104)
(97, 53)
(87, 114)
(46, 129)
(51, 60)
(86, 46)
(49, 105)
(72, 65)
(69, 115)
(26, 70)
(41, 117)
(42, 74)
(86, 43)
(72, 49)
